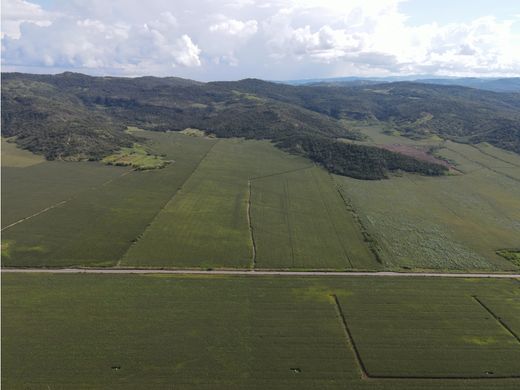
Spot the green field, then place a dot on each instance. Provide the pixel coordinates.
(451, 222)
(163, 331)
(238, 203)
(299, 221)
(206, 223)
(97, 225)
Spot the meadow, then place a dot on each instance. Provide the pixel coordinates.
(205, 332)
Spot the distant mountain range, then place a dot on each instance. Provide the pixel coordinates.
(511, 84)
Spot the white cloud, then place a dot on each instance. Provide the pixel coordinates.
(16, 12)
(235, 27)
(272, 39)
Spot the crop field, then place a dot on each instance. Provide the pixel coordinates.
(28, 189)
(206, 223)
(452, 222)
(237, 203)
(97, 225)
(300, 221)
(205, 332)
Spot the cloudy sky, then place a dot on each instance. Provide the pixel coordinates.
(270, 39)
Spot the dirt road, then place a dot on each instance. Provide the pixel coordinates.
(254, 273)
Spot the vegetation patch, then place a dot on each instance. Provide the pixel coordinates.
(196, 133)
(513, 255)
(137, 157)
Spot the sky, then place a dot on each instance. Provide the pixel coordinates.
(269, 39)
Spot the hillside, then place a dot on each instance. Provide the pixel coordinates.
(74, 116)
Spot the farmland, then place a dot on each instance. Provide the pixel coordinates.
(124, 331)
(237, 203)
(206, 223)
(96, 226)
(453, 222)
(299, 221)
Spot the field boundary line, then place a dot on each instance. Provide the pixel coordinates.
(497, 318)
(61, 203)
(140, 235)
(281, 173)
(370, 241)
(495, 157)
(492, 169)
(366, 375)
(36, 214)
(350, 338)
(287, 219)
(340, 242)
(250, 224)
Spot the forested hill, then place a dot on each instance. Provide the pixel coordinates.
(73, 116)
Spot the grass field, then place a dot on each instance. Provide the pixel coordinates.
(106, 331)
(453, 222)
(300, 221)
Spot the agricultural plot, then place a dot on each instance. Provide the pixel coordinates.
(452, 222)
(30, 189)
(97, 225)
(301, 221)
(207, 223)
(164, 331)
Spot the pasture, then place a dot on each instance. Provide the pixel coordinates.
(205, 332)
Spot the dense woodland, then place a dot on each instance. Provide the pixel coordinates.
(74, 116)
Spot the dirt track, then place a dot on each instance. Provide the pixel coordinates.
(253, 273)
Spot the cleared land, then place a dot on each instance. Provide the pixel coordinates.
(279, 333)
(452, 222)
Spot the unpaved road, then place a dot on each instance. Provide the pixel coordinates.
(252, 273)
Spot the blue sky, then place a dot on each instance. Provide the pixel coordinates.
(272, 39)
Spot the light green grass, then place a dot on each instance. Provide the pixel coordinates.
(68, 331)
(12, 156)
(137, 157)
(300, 221)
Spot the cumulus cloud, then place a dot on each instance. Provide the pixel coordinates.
(235, 27)
(239, 38)
(16, 12)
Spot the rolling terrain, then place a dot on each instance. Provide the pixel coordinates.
(162, 232)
